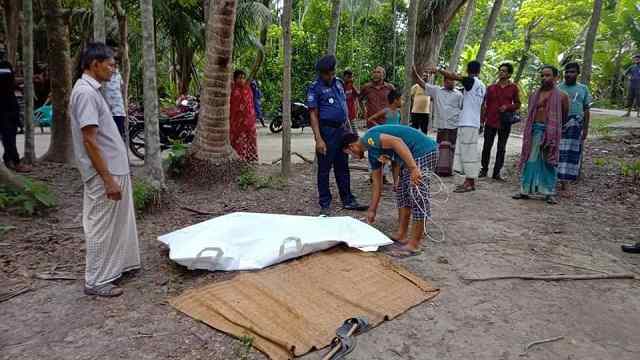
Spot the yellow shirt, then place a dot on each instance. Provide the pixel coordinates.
(421, 102)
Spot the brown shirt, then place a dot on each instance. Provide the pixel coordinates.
(376, 99)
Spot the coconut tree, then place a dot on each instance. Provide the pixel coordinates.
(286, 88)
(99, 32)
(334, 26)
(489, 30)
(462, 34)
(211, 154)
(590, 42)
(27, 59)
(12, 10)
(59, 53)
(152, 155)
(409, 57)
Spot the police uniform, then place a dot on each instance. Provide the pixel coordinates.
(331, 102)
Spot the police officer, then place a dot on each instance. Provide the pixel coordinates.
(328, 110)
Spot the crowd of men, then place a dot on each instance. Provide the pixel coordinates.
(554, 130)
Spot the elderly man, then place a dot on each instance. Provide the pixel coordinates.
(374, 94)
(108, 216)
(328, 111)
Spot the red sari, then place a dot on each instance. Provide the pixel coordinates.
(242, 123)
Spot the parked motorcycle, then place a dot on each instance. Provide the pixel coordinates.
(299, 118)
(176, 125)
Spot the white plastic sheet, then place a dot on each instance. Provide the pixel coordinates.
(249, 241)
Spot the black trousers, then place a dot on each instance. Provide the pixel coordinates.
(120, 123)
(420, 121)
(489, 137)
(8, 133)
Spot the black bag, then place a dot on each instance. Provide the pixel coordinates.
(508, 118)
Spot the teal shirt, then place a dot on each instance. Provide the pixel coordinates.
(418, 143)
(391, 117)
(579, 98)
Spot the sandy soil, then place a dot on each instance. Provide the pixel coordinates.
(486, 233)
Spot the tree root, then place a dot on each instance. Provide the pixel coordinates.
(302, 157)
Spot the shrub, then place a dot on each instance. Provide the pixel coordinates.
(177, 159)
(33, 197)
(248, 178)
(144, 195)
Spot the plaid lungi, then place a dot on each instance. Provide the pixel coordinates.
(411, 196)
(110, 232)
(571, 149)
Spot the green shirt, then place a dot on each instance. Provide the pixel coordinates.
(418, 143)
(579, 98)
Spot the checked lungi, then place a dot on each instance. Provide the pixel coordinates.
(571, 148)
(467, 155)
(110, 231)
(418, 198)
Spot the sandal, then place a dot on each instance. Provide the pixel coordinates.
(520, 196)
(464, 189)
(106, 290)
(401, 252)
(550, 200)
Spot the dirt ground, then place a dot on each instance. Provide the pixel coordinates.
(486, 233)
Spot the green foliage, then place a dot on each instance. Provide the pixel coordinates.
(144, 195)
(249, 178)
(243, 351)
(600, 162)
(630, 169)
(176, 160)
(34, 197)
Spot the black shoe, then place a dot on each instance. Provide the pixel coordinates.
(325, 211)
(355, 206)
(483, 174)
(634, 249)
(498, 178)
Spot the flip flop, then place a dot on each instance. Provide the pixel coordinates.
(550, 200)
(520, 196)
(463, 189)
(402, 252)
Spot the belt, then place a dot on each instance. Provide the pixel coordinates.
(333, 125)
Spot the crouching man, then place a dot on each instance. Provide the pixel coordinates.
(414, 157)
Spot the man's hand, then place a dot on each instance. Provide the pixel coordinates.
(321, 147)
(585, 134)
(502, 108)
(416, 176)
(371, 216)
(112, 188)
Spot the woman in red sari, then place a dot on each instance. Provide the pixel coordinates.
(242, 118)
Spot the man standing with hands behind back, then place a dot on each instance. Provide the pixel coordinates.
(108, 217)
(328, 113)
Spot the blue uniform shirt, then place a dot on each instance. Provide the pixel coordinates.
(330, 100)
(418, 143)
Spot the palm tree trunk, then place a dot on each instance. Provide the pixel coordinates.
(433, 23)
(125, 64)
(462, 35)
(27, 59)
(12, 19)
(211, 155)
(590, 42)
(99, 32)
(487, 38)
(61, 147)
(412, 13)
(286, 88)
(152, 152)
(334, 26)
(528, 39)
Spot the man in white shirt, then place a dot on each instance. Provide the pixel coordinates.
(112, 91)
(467, 156)
(108, 216)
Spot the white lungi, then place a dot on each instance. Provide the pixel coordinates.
(467, 155)
(110, 231)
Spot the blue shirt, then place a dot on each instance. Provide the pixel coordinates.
(330, 100)
(418, 143)
(633, 72)
(579, 98)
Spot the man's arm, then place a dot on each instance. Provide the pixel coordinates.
(516, 101)
(400, 148)
(373, 118)
(450, 74)
(89, 135)
(587, 115)
(565, 106)
(321, 147)
(376, 194)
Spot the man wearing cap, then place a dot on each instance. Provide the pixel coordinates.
(328, 112)
(633, 73)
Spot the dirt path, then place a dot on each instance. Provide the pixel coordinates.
(487, 233)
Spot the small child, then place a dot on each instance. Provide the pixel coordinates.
(391, 113)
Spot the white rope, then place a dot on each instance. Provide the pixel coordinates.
(424, 202)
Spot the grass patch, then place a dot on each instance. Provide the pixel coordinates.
(630, 169)
(244, 349)
(248, 178)
(144, 195)
(599, 124)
